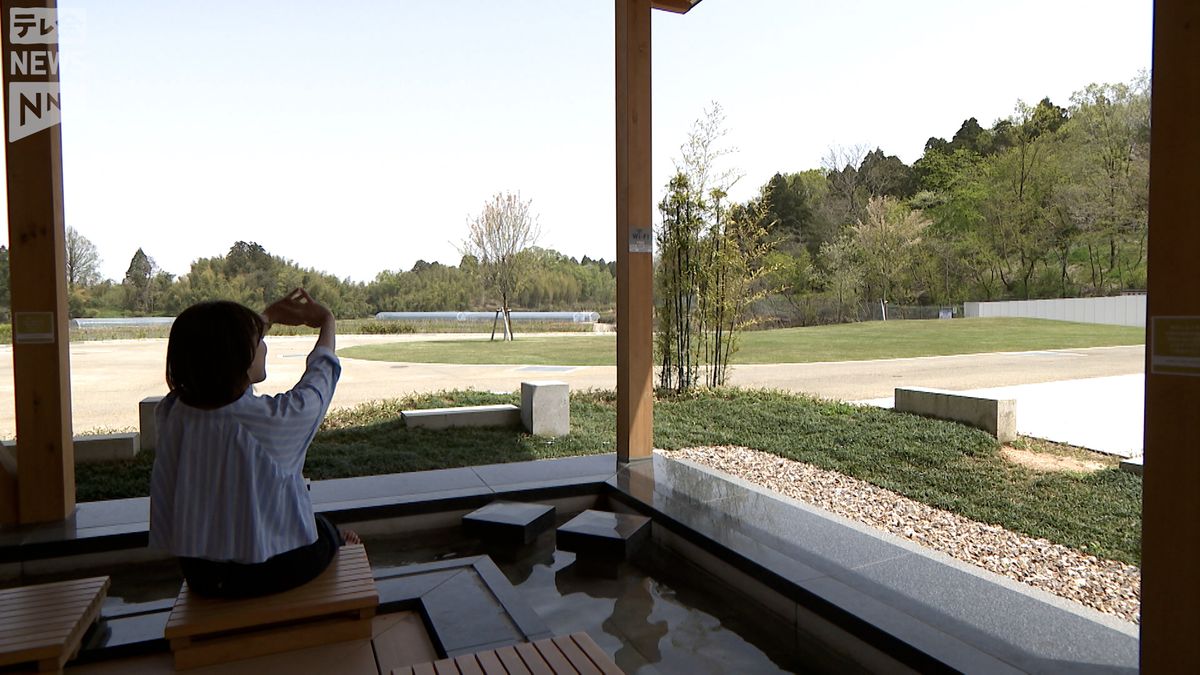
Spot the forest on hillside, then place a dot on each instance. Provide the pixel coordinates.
(1050, 201)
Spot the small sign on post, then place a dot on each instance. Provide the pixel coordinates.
(1175, 345)
(641, 240)
(33, 328)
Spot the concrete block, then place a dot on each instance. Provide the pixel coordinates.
(106, 447)
(146, 423)
(503, 415)
(998, 417)
(88, 449)
(546, 408)
(1133, 465)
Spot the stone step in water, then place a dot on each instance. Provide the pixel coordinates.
(509, 522)
(601, 535)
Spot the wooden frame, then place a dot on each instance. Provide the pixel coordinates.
(1171, 502)
(635, 219)
(45, 483)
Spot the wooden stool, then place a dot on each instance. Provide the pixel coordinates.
(335, 607)
(46, 623)
(574, 653)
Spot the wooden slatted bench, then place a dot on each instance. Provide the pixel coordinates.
(569, 654)
(45, 624)
(335, 607)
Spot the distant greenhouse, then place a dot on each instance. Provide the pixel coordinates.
(557, 317)
(137, 321)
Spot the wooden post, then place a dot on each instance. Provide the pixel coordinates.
(41, 371)
(1171, 500)
(635, 269)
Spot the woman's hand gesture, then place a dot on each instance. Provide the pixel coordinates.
(297, 309)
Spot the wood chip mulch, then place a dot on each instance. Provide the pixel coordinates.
(1105, 585)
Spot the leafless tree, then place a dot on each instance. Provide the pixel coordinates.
(499, 239)
(841, 166)
(83, 260)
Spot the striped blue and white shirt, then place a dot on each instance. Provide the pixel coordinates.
(227, 483)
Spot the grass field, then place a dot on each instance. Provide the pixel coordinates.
(845, 342)
(943, 464)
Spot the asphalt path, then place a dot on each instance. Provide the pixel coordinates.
(108, 378)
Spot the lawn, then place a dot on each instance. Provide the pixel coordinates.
(845, 342)
(943, 464)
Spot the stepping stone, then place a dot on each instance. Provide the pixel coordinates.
(509, 522)
(604, 535)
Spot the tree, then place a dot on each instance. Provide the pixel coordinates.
(843, 273)
(83, 260)
(887, 175)
(887, 239)
(847, 195)
(1108, 138)
(138, 283)
(498, 238)
(711, 258)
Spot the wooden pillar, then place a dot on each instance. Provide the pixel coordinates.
(41, 372)
(1171, 498)
(635, 269)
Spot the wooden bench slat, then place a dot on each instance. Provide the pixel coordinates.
(599, 658)
(60, 626)
(554, 658)
(575, 656)
(199, 603)
(512, 661)
(468, 665)
(233, 619)
(197, 608)
(334, 607)
(491, 664)
(48, 635)
(53, 588)
(34, 605)
(34, 651)
(533, 659)
(270, 641)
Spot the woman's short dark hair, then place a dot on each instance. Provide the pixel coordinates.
(212, 346)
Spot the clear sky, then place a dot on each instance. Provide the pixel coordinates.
(358, 135)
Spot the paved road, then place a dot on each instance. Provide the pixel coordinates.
(109, 378)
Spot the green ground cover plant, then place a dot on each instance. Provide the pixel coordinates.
(940, 463)
(843, 342)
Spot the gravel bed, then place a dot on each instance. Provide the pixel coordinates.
(1105, 585)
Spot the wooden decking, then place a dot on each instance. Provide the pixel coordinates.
(45, 624)
(571, 654)
(336, 606)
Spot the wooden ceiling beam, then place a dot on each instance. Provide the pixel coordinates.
(677, 6)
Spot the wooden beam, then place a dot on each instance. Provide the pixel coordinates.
(635, 268)
(41, 371)
(1171, 501)
(677, 6)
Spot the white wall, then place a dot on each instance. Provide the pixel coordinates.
(1124, 310)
